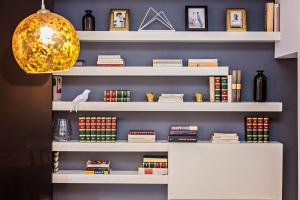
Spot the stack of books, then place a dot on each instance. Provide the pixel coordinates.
(155, 165)
(171, 98)
(226, 138)
(257, 129)
(272, 17)
(97, 167)
(183, 133)
(117, 96)
(141, 136)
(236, 85)
(167, 63)
(203, 63)
(110, 61)
(218, 89)
(97, 129)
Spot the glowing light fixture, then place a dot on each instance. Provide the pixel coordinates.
(45, 42)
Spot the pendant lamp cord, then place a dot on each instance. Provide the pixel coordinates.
(43, 5)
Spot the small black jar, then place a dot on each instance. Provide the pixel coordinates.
(88, 21)
(260, 87)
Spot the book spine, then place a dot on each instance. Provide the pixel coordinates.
(103, 127)
(269, 26)
(100, 57)
(255, 129)
(81, 128)
(260, 129)
(108, 131)
(276, 17)
(212, 89)
(93, 129)
(229, 84)
(182, 132)
(239, 85)
(98, 136)
(88, 129)
(217, 89)
(182, 138)
(114, 129)
(249, 129)
(224, 89)
(266, 131)
(184, 128)
(234, 85)
(153, 171)
(155, 165)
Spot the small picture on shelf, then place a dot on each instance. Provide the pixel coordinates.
(119, 20)
(196, 18)
(236, 19)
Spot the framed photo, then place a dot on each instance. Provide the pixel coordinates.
(119, 20)
(236, 19)
(196, 18)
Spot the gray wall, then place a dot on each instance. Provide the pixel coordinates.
(249, 57)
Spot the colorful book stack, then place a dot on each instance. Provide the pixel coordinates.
(117, 96)
(272, 17)
(141, 136)
(183, 133)
(236, 85)
(171, 98)
(155, 165)
(225, 138)
(257, 129)
(110, 61)
(97, 167)
(203, 63)
(97, 129)
(167, 63)
(218, 91)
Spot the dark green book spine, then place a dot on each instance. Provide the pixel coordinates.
(260, 130)
(255, 130)
(102, 131)
(88, 129)
(81, 129)
(217, 89)
(98, 135)
(266, 130)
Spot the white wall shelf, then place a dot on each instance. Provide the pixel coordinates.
(178, 36)
(146, 71)
(116, 177)
(119, 146)
(171, 107)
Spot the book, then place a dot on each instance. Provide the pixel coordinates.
(192, 138)
(167, 61)
(184, 128)
(103, 129)
(249, 129)
(153, 171)
(229, 85)
(88, 129)
(93, 129)
(97, 171)
(238, 85)
(141, 138)
(212, 89)
(182, 132)
(121, 99)
(155, 165)
(217, 89)
(100, 57)
(98, 129)
(81, 129)
(224, 89)
(154, 158)
(254, 129)
(276, 17)
(203, 63)
(269, 17)
(234, 85)
(266, 130)
(114, 129)
(108, 130)
(260, 129)
(117, 93)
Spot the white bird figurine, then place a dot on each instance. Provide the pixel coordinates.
(83, 97)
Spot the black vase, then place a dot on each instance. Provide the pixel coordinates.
(260, 87)
(88, 21)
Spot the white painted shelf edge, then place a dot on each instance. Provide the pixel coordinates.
(145, 71)
(177, 36)
(119, 146)
(116, 177)
(171, 107)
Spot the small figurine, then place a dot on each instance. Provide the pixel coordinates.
(199, 96)
(150, 96)
(83, 97)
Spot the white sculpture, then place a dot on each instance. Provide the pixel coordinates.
(160, 16)
(83, 97)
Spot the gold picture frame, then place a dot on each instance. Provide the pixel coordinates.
(119, 20)
(236, 20)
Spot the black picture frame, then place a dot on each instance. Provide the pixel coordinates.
(187, 27)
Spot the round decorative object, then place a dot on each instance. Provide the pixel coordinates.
(45, 42)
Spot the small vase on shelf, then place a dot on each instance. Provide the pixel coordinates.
(260, 87)
(88, 21)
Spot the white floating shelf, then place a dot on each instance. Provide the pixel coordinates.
(178, 36)
(116, 177)
(146, 71)
(119, 146)
(171, 107)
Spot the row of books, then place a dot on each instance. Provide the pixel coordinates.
(97, 167)
(226, 138)
(191, 63)
(257, 129)
(110, 61)
(171, 98)
(218, 89)
(155, 165)
(117, 96)
(272, 17)
(97, 129)
(179, 133)
(141, 136)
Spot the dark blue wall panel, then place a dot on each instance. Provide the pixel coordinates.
(282, 77)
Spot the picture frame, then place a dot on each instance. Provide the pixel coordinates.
(196, 18)
(119, 20)
(236, 20)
